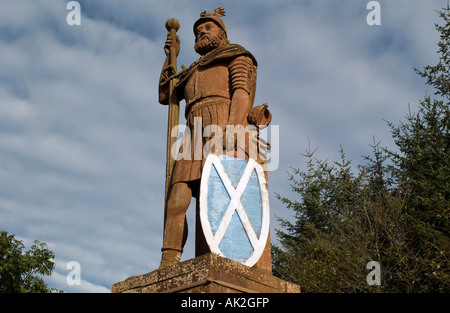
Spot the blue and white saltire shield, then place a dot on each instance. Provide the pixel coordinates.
(234, 208)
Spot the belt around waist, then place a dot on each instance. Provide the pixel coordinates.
(206, 102)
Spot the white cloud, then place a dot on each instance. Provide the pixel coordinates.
(82, 142)
(59, 282)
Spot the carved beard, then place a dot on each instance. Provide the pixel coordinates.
(206, 43)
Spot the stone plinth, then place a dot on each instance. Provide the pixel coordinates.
(208, 273)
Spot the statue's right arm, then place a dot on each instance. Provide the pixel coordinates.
(164, 89)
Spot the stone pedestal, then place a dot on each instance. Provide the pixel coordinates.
(208, 273)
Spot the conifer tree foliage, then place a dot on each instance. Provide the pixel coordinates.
(394, 209)
(345, 217)
(438, 76)
(422, 168)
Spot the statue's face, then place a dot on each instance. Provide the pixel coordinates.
(208, 36)
(208, 28)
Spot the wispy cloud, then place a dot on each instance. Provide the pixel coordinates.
(82, 137)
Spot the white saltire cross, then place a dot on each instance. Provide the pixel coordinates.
(235, 204)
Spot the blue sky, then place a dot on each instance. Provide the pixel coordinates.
(82, 136)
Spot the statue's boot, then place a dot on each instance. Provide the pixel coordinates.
(169, 257)
(175, 230)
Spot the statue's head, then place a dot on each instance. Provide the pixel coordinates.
(210, 31)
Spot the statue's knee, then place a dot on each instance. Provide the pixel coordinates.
(179, 199)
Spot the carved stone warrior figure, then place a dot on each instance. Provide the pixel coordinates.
(219, 89)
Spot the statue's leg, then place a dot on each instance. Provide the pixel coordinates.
(175, 230)
(265, 261)
(201, 246)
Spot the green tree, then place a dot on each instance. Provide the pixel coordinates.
(21, 271)
(394, 209)
(423, 168)
(344, 218)
(438, 76)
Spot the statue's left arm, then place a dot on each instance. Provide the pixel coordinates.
(242, 84)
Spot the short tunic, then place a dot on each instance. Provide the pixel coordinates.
(189, 164)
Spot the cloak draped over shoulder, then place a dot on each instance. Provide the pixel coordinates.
(219, 54)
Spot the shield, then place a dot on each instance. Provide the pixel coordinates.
(234, 208)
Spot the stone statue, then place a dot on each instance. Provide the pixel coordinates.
(219, 90)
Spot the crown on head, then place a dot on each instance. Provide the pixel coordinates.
(218, 12)
(214, 16)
